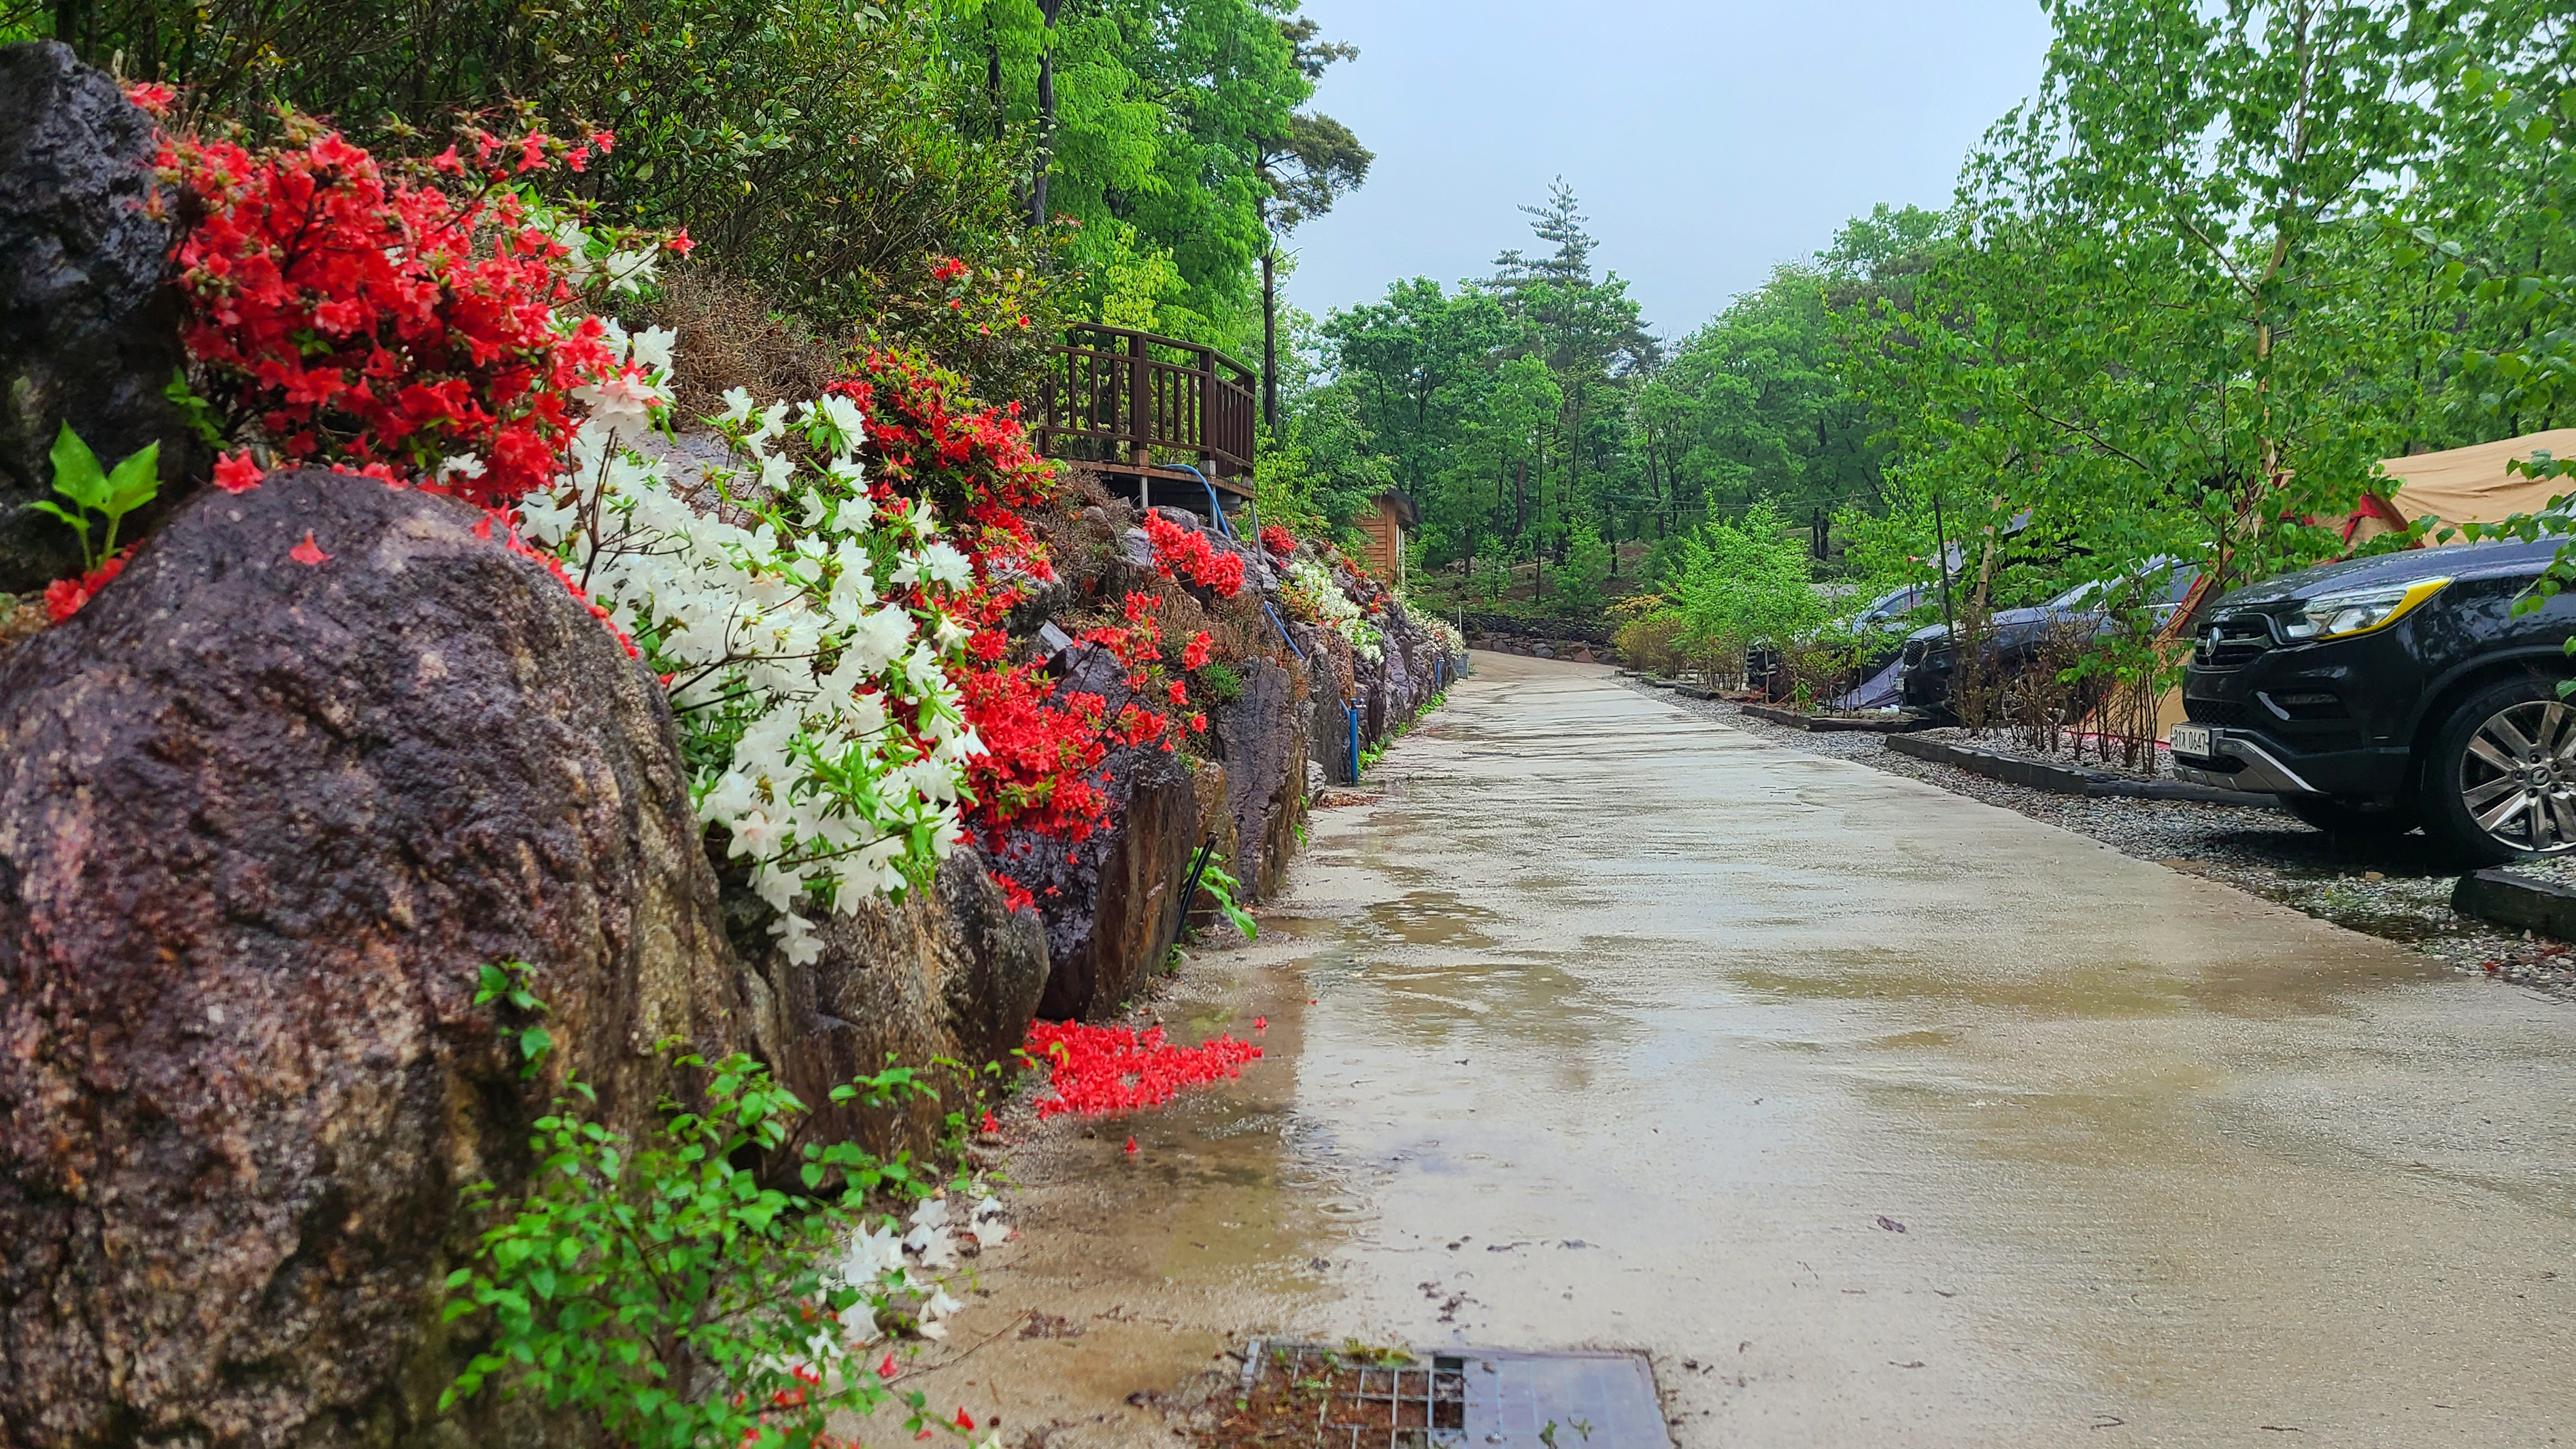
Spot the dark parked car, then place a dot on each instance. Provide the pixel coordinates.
(1885, 618)
(2378, 694)
(2015, 637)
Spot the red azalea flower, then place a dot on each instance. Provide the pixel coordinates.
(65, 597)
(238, 473)
(1099, 1070)
(309, 553)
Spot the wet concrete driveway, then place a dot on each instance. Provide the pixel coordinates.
(1875, 1115)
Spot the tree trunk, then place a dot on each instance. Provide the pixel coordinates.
(993, 77)
(1047, 10)
(1270, 340)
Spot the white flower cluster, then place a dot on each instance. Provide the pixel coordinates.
(882, 1261)
(1312, 588)
(824, 729)
(586, 260)
(888, 1262)
(1442, 632)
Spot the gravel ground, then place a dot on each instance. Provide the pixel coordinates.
(2398, 889)
(2156, 766)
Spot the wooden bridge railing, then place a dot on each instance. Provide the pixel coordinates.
(1115, 395)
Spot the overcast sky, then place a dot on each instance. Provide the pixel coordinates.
(1707, 141)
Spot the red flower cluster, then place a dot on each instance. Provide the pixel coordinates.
(978, 468)
(64, 597)
(379, 319)
(1185, 553)
(1278, 540)
(1096, 1070)
(1039, 755)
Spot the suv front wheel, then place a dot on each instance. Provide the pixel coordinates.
(2500, 782)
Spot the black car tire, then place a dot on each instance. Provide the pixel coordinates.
(2352, 821)
(2446, 791)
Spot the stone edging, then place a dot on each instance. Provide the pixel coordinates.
(2062, 780)
(2518, 901)
(1836, 723)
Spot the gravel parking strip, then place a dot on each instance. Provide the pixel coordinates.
(2399, 889)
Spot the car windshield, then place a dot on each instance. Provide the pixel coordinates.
(1891, 606)
(2177, 583)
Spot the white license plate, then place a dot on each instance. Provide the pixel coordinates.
(2192, 739)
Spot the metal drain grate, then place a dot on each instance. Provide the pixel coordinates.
(1360, 1398)
(1350, 1397)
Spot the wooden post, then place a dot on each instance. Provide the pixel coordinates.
(1139, 401)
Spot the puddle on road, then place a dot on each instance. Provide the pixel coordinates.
(1432, 918)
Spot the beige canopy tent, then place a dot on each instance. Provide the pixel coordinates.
(2463, 485)
(2455, 486)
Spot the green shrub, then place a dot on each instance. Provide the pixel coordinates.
(1220, 682)
(667, 1290)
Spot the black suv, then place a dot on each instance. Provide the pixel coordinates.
(2378, 694)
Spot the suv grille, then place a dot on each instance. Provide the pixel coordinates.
(2227, 643)
(1914, 651)
(2222, 712)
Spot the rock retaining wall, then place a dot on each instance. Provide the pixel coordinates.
(272, 800)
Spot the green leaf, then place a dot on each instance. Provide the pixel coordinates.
(76, 472)
(134, 482)
(52, 509)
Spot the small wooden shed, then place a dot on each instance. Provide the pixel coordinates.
(1386, 523)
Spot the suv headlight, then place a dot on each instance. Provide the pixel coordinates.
(2357, 611)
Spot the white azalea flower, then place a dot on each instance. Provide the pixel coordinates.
(631, 271)
(779, 645)
(651, 349)
(622, 400)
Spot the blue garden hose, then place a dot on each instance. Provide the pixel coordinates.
(1282, 628)
(1226, 531)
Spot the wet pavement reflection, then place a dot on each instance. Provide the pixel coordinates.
(1873, 1114)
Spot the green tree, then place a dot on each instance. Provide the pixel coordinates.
(1307, 168)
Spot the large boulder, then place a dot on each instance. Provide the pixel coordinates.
(951, 973)
(1263, 736)
(1112, 900)
(89, 323)
(261, 820)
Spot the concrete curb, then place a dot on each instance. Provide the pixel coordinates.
(2062, 780)
(1825, 724)
(2511, 900)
